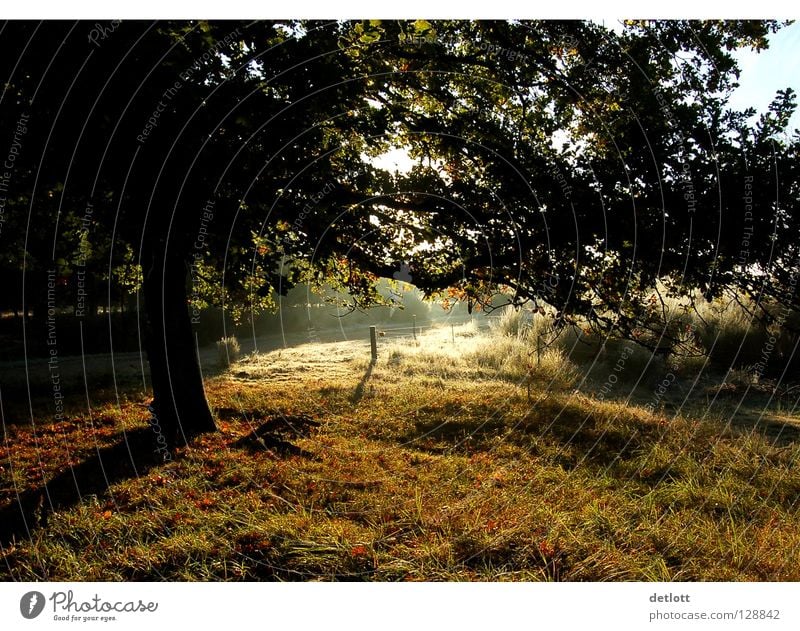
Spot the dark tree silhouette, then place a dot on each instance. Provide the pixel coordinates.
(576, 167)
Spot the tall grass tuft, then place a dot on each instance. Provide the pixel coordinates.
(511, 323)
(228, 351)
(730, 336)
(522, 347)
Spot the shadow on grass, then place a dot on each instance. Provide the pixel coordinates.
(358, 393)
(101, 378)
(573, 435)
(455, 434)
(132, 457)
(579, 434)
(774, 430)
(274, 432)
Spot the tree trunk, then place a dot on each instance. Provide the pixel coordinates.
(180, 409)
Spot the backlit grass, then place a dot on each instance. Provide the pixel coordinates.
(433, 464)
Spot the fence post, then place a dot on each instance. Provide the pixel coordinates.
(453, 333)
(414, 326)
(373, 343)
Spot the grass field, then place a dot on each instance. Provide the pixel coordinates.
(454, 457)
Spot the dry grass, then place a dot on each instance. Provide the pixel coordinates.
(228, 351)
(432, 464)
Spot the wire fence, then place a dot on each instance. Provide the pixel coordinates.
(481, 321)
(420, 328)
(411, 333)
(544, 339)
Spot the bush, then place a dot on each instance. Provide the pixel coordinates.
(228, 350)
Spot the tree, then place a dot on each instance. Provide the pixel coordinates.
(591, 171)
(192, 145)
(221, 162)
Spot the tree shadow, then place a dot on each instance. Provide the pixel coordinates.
(781, 431)
(573, 436)
(137, 454)
(274, 432)
(581, 435)
(102, 378)
(453, 435)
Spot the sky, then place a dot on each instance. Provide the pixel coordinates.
(771, 70)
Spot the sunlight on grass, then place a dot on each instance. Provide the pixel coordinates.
(432, 464)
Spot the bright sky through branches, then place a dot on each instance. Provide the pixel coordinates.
(771, 70)
(762, 75)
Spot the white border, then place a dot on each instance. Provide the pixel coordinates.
(415, 606)
(483, 9)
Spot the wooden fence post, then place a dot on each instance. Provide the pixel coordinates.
(373, 342)
(538, 349)
(414, 326)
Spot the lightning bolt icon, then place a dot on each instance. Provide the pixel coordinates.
(32, 604)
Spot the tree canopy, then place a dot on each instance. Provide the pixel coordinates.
(220, 162)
